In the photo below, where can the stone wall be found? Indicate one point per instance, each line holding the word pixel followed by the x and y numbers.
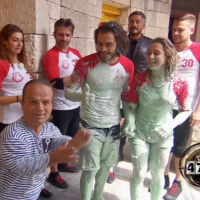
pixel 157 13
pixel 37 18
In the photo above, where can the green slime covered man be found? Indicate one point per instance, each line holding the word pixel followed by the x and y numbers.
pixel 105 79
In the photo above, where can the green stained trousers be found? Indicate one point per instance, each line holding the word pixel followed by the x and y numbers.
pixel 157 154
pixel 97 158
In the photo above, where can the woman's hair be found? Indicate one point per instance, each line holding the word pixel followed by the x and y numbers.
pixel 171 54
pixel 119 33
pixel 5 33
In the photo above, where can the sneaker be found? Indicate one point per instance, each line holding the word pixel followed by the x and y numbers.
pixel 111 177
pixel 45 193
pixel 173 192
pixel 67 168
pixel 56 180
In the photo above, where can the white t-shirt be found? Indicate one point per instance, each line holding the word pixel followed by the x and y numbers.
pixel 188 68
pixel 59 64
pixel 12 81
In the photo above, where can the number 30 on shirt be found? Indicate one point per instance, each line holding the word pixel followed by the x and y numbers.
pixel 188 63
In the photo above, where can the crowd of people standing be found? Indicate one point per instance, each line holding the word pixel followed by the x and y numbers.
pixel 152 83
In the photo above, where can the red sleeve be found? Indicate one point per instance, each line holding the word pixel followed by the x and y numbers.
pixel 50 64
pixel 129 68
pixel 181 91
pixel 137 82
pixel 195 48
pixel 81 70
pixel 4 69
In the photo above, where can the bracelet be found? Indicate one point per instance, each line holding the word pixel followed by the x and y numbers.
pixel 17 98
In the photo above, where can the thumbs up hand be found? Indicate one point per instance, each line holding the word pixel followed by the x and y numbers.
pixel 88 97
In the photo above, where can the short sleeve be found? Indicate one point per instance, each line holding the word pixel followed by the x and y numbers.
pixel 136 83
pixel 181 91
pixel 50 65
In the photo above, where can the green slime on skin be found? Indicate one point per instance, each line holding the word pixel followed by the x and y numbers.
pixel 102 111
pixel 145 120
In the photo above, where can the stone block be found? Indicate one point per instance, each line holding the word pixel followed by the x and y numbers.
pixel 158 6
pixel 36 47
pixel 67 3
pixel 93 2
pixel 99 8
pixel 79 20
pixel 138 4
pixel 164 32
pixel 55 1
pixel 54 11
pixel 94 11
pixel 118 3
pixel 155 19
pixel 77 5
pixel 152 32
pixel 50 42
pixel 90 21
pixel 90 33
pixel 51 26
pixel 42 16
pixel 90 11
pixel 96 22
pixel 132 9
pixel 123 18
pixel 90 46
pixel 19 13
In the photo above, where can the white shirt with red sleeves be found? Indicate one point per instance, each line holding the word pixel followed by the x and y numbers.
pixel 12 81
pixel 109 84
pixel 59 64
pixel 188 67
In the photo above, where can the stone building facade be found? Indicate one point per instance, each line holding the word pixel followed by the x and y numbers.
pixel 37 18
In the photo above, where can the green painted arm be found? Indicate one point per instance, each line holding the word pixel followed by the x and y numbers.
pixel 129 113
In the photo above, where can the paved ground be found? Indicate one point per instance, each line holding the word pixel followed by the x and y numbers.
pixel 119 190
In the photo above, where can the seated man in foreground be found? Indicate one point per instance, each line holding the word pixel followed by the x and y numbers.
pixel 31 144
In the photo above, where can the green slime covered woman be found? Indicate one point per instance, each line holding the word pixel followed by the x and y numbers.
pixel 149 121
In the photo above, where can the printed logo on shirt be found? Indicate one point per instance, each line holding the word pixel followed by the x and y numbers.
pixel 17 77
pixel 65 64
pixel 74 61
pixel 46 143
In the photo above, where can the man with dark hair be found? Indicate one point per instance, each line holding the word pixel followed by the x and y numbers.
pixel 58 65
pixel 188 68
pixel 105 78
pixel 29 145
pixel 138 42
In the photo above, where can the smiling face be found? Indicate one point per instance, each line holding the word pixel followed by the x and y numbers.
pixel 156 57
pixel 63 37
pixel 14 43
pixel 37 104
pixel 106 47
